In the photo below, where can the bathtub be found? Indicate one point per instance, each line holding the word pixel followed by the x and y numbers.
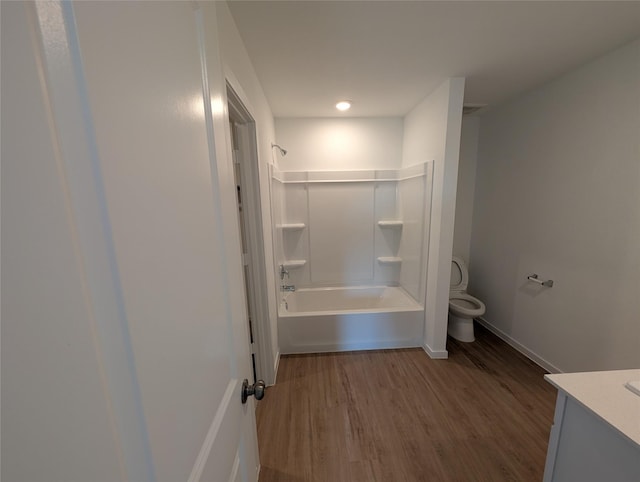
pixel 318 320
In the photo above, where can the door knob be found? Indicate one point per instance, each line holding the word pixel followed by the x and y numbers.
pixel 257 390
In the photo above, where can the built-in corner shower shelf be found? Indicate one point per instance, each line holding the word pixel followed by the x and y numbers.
pixel 292 226
pixel 390 224
pixel 294 263
pixel 389 260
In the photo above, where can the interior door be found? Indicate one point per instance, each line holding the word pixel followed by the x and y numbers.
pixel 129 98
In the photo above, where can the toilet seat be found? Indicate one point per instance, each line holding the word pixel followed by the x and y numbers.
pixel 464 305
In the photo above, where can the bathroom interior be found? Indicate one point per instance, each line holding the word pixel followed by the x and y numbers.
pixel 402 231
pixel 500 195
pixel 360 208
pixel 384 236
pixel 356 228
pixel 363 201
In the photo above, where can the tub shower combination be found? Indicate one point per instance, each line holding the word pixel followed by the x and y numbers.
pixel 351 248
pixel 337 319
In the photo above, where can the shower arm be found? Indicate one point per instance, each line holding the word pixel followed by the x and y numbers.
pixel 283 152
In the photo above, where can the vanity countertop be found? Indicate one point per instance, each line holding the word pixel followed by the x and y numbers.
pixel 605 394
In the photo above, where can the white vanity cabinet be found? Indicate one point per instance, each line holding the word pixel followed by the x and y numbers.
pixel 596 428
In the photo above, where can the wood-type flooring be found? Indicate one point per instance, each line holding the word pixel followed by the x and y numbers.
pixel 398 416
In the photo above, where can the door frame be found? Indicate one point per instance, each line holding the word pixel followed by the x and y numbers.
pixel 240 114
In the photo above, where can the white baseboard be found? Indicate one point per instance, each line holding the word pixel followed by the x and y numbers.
pixel 435 354
pixel 534 357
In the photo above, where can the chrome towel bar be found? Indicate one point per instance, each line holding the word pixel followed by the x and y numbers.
pixel 534 277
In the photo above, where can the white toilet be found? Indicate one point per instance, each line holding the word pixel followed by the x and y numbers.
pixel 463 307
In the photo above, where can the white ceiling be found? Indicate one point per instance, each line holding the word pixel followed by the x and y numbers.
pixel 388 55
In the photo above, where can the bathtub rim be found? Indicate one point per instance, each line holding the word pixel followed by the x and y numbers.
pixel 293 314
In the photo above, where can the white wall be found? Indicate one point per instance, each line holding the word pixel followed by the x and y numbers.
pixel 432 132
pixel 243 79
pixel 334 144
pixel 466 186
pixel 425 128
pixel 558 194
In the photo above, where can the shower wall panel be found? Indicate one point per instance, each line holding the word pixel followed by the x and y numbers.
pixel 296 242
pixel 341 226
pixel 354 227
pixel 415 208
pixel 386 240
pixel 277 207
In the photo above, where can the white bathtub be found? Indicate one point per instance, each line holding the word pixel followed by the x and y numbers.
pixel 338 319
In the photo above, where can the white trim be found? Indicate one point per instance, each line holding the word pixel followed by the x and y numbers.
pixel 534 357
pixel 248 133
pixel 435 354
pixel 235 84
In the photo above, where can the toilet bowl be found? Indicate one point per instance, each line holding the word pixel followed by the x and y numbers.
pixel 463 307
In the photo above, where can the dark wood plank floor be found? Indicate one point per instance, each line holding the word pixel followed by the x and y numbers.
pixel 397 415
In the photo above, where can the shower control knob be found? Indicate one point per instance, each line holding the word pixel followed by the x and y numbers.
pixel 257 390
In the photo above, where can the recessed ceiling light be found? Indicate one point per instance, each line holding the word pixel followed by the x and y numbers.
pixel 343 105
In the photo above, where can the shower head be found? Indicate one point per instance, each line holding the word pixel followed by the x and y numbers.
pixel 283 152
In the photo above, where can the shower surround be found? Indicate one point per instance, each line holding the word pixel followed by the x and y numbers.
pixel 356 239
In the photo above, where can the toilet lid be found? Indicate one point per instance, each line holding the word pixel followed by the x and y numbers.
pixel 459 275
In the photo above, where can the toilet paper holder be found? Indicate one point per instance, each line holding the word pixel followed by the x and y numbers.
pixel 534 277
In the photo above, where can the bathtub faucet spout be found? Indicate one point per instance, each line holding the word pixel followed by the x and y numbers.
pixel 288 288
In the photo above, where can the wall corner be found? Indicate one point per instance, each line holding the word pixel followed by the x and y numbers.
pixel 443 219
